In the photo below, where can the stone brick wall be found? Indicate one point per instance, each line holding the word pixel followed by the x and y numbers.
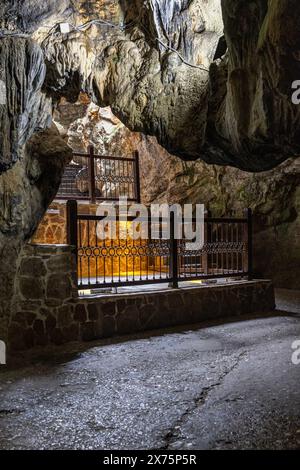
pixel 45 293
pixel 53 227
pixel 48 310
pixel 133 313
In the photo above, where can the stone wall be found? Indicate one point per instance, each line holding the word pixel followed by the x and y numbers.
pixel 132 313
pixel 53 227
pixel 45 292
pixel 274 196
pixel 49 311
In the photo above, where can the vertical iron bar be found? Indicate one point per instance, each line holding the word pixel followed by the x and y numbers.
pixel 249 243
pixel 237 252
pixel 227 244
pixel 137 177
pixel 91 168
pixel 217 249
pixel 231 253
pixel 88 256
pixel 119 251
pixel 72 231
pixel 205 253
pixel 80 257
pixel 222 254
pixel 104 259
pixel 173 254
pixel 96 256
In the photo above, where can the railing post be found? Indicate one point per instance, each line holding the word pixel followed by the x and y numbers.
pixel 72 228
pixel 248 240
pixel 137 177
pixel 205 254
pixel 72 240
pixel 173 253
pixel 91 170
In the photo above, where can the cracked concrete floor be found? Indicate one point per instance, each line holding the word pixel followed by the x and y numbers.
pixel 218 386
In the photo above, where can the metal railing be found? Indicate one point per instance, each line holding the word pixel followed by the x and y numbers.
pixel 227 253
pixel 95 177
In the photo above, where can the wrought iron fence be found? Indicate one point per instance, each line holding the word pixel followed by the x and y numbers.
pixel 101 178
pixel 227 253
pixel 227 250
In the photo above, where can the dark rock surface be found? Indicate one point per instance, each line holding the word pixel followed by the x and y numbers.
pixel 25 193
pixel 25 109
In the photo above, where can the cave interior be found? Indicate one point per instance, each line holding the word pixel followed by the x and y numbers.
pixel 201 91
pixel 154 342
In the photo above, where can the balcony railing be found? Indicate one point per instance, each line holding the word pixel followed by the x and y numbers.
pixel 227 253
pixel 94 178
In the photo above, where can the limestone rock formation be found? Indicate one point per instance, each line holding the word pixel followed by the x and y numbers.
pixel 23 108
pixel 159 65
pixel 160 77
pixel 25 193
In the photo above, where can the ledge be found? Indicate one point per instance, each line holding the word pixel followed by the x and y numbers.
pixel 88 319
pixel 140 311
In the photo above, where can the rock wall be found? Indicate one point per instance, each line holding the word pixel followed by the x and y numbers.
pixel 32 153
pixel 158 71
pixel 25 193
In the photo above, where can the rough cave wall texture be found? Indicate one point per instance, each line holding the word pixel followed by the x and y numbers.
pixel 159 75
pixel 235 110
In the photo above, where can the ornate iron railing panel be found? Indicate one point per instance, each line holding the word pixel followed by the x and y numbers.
pixel 226 253
pixel 112 263
pixel 94 177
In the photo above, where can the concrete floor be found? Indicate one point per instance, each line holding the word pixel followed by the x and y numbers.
pixel 218 386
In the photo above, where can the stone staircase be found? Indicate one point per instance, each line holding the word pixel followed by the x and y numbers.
pixel 68 185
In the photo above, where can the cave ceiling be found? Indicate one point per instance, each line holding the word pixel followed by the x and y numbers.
pixel 211 79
